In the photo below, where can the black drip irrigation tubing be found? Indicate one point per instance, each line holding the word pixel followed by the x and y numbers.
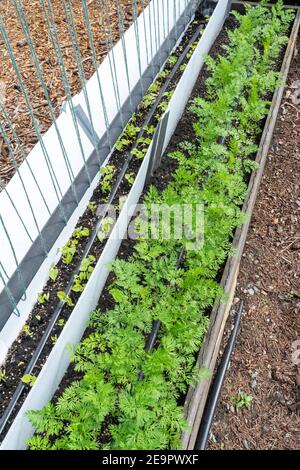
pixel 38 351
pixel 157 323
pixel 214 394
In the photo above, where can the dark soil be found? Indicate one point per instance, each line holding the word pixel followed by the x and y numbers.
pixel 265 363
pixel 24 347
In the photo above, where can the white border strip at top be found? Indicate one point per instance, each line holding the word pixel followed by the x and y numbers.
pixel 58 360
pixel 35 159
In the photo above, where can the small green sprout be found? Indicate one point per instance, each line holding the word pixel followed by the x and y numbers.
pixel 129 177
pixel 241 400
pixel 26 330
pixel 105 228
pixel 29 379
pixel 3 376
pixel 92 206
pixel 65 298
pixel 53 273
pixel 107 173
pixel 53 339
pixel 68 251
pixel 43 298
pixel 81 232
pixel 139 154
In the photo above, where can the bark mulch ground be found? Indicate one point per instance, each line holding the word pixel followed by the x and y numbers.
pixel 10 92
pixel 265 363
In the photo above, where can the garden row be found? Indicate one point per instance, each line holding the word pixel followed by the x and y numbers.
pixel 111 404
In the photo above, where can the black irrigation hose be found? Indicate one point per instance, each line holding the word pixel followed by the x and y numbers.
pixel 216 388
pixel 157 323
pixel 38 351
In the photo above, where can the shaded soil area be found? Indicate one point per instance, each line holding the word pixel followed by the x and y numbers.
pixel 266 361
pixel 102 20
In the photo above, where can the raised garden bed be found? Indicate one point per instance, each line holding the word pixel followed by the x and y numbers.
pixel 151 285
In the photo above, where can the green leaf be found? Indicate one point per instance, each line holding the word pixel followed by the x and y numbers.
pixel 118 295
pixel 29 379
pixel 53 273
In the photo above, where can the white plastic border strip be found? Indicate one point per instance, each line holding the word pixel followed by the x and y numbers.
pixel 37 163
pixel 58 360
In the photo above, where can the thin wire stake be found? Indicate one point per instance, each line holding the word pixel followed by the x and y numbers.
pixel 159 34
pixel 49 17
pixel 175 18
pixel 52 174
pixel 95 63
pixel 24 156
pixel 8 292
pixel 122 30
pixel 40 75
pixel 137 41
pixel 151 36
pixel 77 54
pixel 11 152
pixel 111 44
pixel 110 56
pixel 168 27
pixel 20 275
pixel 154 16
pixel 145 32
pixel 3 188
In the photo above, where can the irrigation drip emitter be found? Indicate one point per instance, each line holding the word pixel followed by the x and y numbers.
pixel 46 335
pixel 216 388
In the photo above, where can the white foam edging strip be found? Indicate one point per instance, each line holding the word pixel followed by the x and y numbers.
pixel 37 162
pixel 58 360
